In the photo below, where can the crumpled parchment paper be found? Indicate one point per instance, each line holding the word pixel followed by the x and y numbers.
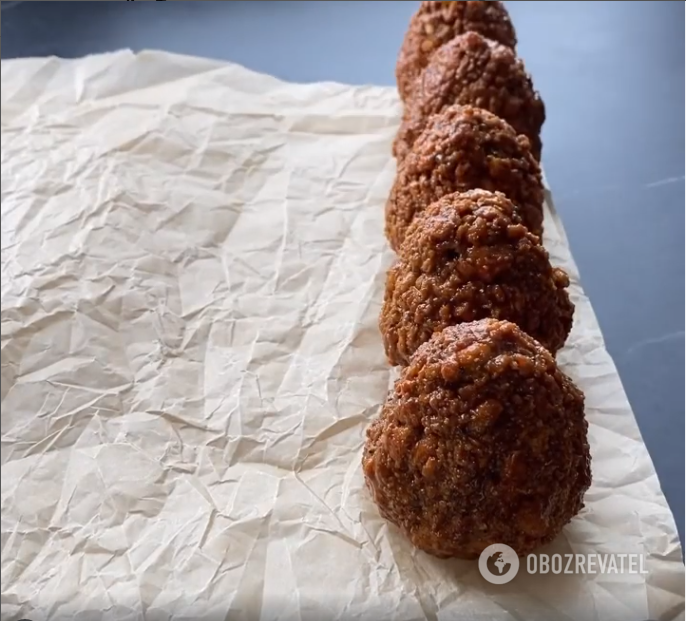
pixel 192 268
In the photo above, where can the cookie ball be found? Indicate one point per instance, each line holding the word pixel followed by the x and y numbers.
pixel 469 256
pixel 436 23
pixel 465 148
pixel 482 440
pixel 473 70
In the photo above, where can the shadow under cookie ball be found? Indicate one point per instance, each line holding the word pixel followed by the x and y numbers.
pixel 482 440
pixel 465 257
pixel 473 70
pixel 465 148
pixel 436 23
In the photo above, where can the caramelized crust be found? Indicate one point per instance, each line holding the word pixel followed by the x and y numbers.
pixel 436 23
pixel 466 257
pixel 473 70
pixel 464 148
pixel 482 440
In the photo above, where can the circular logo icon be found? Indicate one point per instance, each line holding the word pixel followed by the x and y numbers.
pixel 498 563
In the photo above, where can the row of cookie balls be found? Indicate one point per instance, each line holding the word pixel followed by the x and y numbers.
pixel 472 121
pixel 482 438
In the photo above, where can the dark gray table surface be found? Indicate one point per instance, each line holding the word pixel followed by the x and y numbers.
pixel 612 76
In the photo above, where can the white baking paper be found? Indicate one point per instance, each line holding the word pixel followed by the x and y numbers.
pixel 192 269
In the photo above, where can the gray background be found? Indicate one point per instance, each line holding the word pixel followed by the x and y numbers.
pixel 612 76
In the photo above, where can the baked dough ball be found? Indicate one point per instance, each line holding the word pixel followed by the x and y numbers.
pixel 464 148
pixel 466 257
pixel 482 440
pixel 435 23
pixel 473 70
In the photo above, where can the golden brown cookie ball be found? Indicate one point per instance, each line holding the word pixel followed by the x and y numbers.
pixel 482 440
pixel 464 148
pixel 466 257
pixel 473 70
pixel 435 23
